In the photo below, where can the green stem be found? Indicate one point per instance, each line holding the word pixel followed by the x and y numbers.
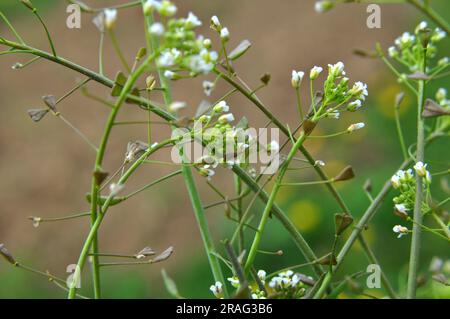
pixel 95 217
pixel 256 241
pixel 363 222
pixel 418 216
pixel 197 205
pixel 297 237
pixel 400 133
pixel 11 27
pixel 46 31
pixel 442 225
pixel 441 22
pixel 119 51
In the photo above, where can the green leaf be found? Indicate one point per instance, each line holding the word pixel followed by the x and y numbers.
pixel 171 286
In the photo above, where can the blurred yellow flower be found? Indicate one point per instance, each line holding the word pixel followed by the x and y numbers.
pixel 305 215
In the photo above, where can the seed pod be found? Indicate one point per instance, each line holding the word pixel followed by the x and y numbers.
pixel 50 101
pixel 141 53
pixel 419 76
pixel 308 126
pixel 368 186
pixel 433 109
pixel 342 222
pixel 240 50
pixel 37 114
pixel 399 99
pixel 265 79
pixel 346 174
pixel 28 4
pixel 147 251
pixel 119 82
pixel 6 254
pixel 164 255
pixel 365 54
pixel 100 177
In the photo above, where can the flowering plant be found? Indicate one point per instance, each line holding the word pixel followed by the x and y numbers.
pixel 175 51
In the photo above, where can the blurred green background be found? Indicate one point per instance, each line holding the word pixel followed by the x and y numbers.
pixel 45 170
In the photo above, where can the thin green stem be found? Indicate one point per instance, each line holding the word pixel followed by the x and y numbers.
pixel 95 217
pixel 442 225
pixel 49 37
pixel 11 27
pixel 118 50
pixel 257 239
pixel 433 15
pixel 400 133
pixel 418 217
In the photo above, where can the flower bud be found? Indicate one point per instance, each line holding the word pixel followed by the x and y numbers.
pixel 110 18
pixel 323 6
pixel 315 71
pixel 297 77
pixel 221 107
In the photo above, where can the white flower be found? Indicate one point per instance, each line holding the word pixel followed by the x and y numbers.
pixel 295 280
pixel 422 26
pixel 393 52
pixel 176 106
pixel 323 6
pixel 207 172
pixel 167 8
pixel 216 289
pixel 401 208
pixel 262 275
pixel 169 74
pixel 221 107
pixel 319 163
pixel 273 147
pixel 225 34
pixel 151 5
pixel 443 61
pixel 441 95
pixel 400 230
pixel 36 221
pixel 428 177
pixel 234 281
pixel 110 18
pixel 192 21
pixel 337 69
pixel 405 40
pixel 334 115
pixel 356 126
pixel 169 57
pixel 315 71
pixel 156 29
pixel 359 90
pixel 215 23
pixel 297 77
pixel 208 87
pixel 115 189
pixel 355 105
pixel 226 118
pixel 438 35
pixel 421 169
pixel 395 181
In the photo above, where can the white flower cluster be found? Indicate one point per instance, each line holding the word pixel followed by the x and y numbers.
pixel 285 280
pixel 405 182
pixel 181 49
pixel 408 47
pixel 225 144
pixel 337 95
